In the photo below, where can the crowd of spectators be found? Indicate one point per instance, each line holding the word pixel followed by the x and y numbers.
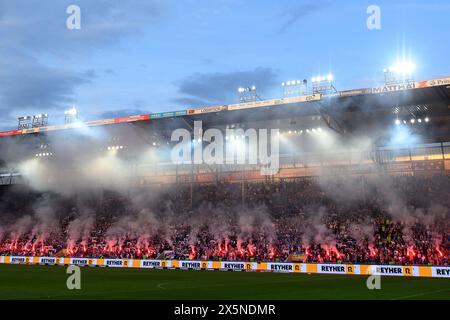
pixel 395 220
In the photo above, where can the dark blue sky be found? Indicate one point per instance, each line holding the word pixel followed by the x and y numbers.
pixel 134 56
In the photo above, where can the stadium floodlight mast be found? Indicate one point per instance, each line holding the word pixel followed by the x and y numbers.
pixel 24 122
pixel 40 120
pixel 248 94
pixel 111 148
pixel 294 88
pixel 400 73
pixel 323 84
pixel 70 115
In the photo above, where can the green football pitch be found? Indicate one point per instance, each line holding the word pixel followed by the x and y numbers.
pixel 49 282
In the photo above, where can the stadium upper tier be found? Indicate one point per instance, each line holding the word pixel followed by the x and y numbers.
pixel 429 92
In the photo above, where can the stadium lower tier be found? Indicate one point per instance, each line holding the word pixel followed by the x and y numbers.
pixel 348 269
pixel 382 221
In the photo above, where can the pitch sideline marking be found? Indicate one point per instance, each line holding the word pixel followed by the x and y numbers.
pixel 420 294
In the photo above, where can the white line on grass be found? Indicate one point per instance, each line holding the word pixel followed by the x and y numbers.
pixel 420 294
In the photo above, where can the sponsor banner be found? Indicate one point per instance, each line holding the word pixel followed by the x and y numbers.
pixel 163 115
pixel 281 267
pixel 207 109
pixel 207 265
pixel 311 268
pixel 407 271
pixel 351 93
pixel 331 268
pixel 274 102
pixel 114 263
pixel 31 130
pixel 247 105
pixel 404 86
pixel 440 272
pixel 239 266
pixel 388 270
pixel 394 88
pixel 150 264
pixel 132 118
pixel 262 266
pixel 10 133
pixel 411 271
pixel 433 83
pixel 91 262
pixel 168 114
pixel 100 122
pixel 62 261
pixel 75 125
pixel 180 113
pixel 79 261
pixel 47 260
pixel 17 260
pixel 189 264
pixel 425 271
pixel 351 269
pixel 303 267
pixel 232 265
pixel 127 263
pixel 254 104
pixel 51 128
pixel 155 115
pixel 170 264
pixel 312 97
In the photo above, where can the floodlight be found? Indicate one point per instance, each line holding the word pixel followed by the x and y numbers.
pixel 403 67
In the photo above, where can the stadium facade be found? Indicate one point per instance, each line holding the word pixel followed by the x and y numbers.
pixel 364 127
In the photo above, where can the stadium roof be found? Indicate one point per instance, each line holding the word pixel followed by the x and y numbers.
pixel 433 95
